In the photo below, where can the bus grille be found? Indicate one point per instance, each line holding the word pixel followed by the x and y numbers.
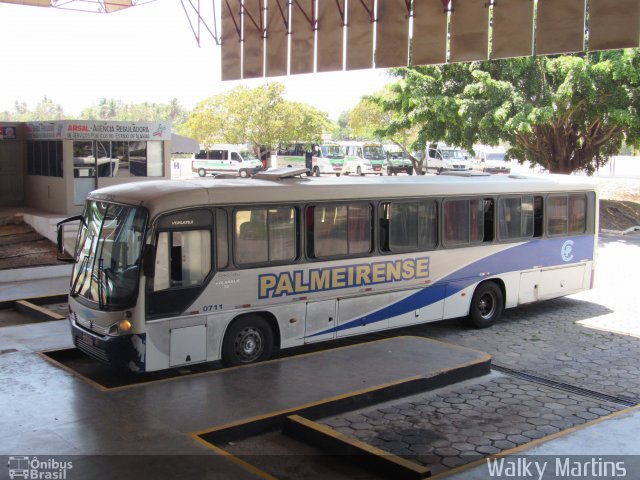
pixel 90 350
pixel 90 325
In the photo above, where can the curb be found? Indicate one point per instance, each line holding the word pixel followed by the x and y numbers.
pixel 367 456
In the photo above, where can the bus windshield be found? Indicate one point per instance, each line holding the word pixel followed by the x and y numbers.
pixel 373 152
pixel 453 154
pixel 332 151
pixel 108 254
pixel 248 155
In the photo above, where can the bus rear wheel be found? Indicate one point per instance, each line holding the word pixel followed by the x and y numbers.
pixel 487 304
pixel 243 173
pixel 248 339
pixel 316 171
pixel 202 172
pixel 359 172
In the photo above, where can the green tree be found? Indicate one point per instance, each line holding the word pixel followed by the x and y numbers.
pixel 565 113
pixel 117 110
pixel 45 109
pixel 379 117
pixel 260 117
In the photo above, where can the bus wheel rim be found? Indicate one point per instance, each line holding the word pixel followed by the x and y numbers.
pixel 487 305
pixel 249 344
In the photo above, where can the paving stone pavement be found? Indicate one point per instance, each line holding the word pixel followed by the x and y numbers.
pixel 464 423
pixel 590 340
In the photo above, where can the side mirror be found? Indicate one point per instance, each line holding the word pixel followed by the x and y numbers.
pixel 149 260
pixel 62 254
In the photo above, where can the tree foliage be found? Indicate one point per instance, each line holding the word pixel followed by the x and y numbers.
pixel 564 113
pixel 260 117
pixel 45 109
pixel 378 117
pixel 117 110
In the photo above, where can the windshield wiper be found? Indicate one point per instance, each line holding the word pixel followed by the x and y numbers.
pixel 100 288
pixel 81 270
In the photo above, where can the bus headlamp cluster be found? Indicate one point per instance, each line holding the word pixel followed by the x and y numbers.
pixel 123 326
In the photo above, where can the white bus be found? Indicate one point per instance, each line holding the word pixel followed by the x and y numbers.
pixel 172 273
pixel 363 158
pixel 318 158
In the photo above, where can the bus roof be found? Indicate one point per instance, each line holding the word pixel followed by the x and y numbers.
pixel 166 195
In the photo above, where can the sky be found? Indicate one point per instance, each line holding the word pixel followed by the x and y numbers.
pixel 145 53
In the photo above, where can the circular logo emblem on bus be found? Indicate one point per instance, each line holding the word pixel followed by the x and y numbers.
pixel 566 252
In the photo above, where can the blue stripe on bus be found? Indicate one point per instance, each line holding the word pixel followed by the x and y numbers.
pixel 525 256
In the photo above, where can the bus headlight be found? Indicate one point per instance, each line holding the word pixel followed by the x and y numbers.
pixel 124 325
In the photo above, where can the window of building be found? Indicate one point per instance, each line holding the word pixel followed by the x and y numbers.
pixel 44 158
pixel 339 230
pixel 265 235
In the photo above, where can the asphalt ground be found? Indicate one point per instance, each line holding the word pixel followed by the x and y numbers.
pixel 559 364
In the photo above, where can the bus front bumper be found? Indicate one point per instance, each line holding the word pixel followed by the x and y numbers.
pixel 124 352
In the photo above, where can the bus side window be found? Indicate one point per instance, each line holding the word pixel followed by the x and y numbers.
pixel 222 240
pixel 339 230
pixel 183 259
pixel 489 215
pixel 538 216
pixel 557 215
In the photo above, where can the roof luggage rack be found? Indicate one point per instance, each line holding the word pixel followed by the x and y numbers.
pixel 280 173
pixel 465 173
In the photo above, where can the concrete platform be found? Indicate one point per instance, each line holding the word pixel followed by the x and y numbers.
pixel 48 411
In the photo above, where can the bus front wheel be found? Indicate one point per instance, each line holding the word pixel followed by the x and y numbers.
pixel 316 171
pixel 243 173
pixel 248 339
pixel 202 172
pixel 487 304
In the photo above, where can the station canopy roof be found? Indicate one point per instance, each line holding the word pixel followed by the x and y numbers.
pixel 335 35
pixel 102 6
pixel 267 38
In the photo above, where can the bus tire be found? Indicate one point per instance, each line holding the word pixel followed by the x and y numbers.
pixel 243 173
pixel 487 304
pixel 389 171
pixel 202 172
pixel 410 171
pixel 316 171
pixel 248 339
pixel 337 174
pixel 359 172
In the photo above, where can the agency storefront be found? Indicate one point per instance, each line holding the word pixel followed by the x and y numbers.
pixel 65 160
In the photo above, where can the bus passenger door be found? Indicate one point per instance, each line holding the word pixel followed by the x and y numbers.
pixel 321 321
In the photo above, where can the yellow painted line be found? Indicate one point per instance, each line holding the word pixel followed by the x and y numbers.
pixel 416 468
pixel 238 461
pixel 41 310
pixel 535 442
pixel 43 354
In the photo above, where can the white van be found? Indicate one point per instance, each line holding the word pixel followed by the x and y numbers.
pixel 396 161
pixel 363 158
pixel 225 159
pixel 442 158
pixel 490 160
